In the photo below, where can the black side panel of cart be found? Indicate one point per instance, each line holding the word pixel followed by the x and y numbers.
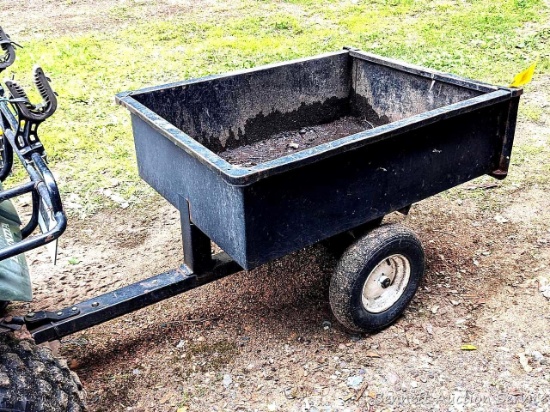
pixel 300 207
pixel 215 206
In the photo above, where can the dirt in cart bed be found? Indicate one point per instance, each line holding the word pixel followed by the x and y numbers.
pixel 293 141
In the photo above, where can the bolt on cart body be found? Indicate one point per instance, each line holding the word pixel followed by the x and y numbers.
pixel 430 131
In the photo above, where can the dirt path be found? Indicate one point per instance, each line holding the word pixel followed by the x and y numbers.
pixel 42 18
pixel 272 339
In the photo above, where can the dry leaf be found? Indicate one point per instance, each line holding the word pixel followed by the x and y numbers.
pixel 514 392
pixel 524 362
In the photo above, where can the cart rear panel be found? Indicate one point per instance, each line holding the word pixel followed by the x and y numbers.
pixel 433 131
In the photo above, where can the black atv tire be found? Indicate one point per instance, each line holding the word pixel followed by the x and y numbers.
pixel 33 380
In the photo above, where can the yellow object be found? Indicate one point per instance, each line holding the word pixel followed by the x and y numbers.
pixel 521 79
pixel 1 132
pixel 468 347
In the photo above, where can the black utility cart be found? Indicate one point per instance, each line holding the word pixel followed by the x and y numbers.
pixel 423 132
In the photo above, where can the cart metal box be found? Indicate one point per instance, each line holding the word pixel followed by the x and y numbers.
pixel 433 131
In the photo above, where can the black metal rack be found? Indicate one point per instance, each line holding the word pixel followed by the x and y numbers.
pixel 19 121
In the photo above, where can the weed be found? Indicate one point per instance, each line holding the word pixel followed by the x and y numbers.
pixel 531 112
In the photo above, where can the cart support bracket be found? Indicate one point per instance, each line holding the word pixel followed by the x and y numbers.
pixel 43 316
pixel 509 128
pixel 197 248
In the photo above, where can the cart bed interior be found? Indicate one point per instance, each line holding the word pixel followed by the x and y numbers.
pixel 262 107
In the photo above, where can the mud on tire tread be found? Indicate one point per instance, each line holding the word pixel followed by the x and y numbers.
pixel 33 380
pixel 356 264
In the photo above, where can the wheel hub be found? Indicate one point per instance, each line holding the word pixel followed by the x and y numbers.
pixel 386 283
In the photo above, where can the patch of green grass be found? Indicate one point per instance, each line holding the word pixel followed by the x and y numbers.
pixel 530 162
pixel 216 354
pixel 531 112
pixel 73 261
pixel 90 140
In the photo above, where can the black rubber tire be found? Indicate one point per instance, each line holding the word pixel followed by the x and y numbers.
pixel 353 269
pixel 33 380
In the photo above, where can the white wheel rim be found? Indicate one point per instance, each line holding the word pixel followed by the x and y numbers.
pixel 386 283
